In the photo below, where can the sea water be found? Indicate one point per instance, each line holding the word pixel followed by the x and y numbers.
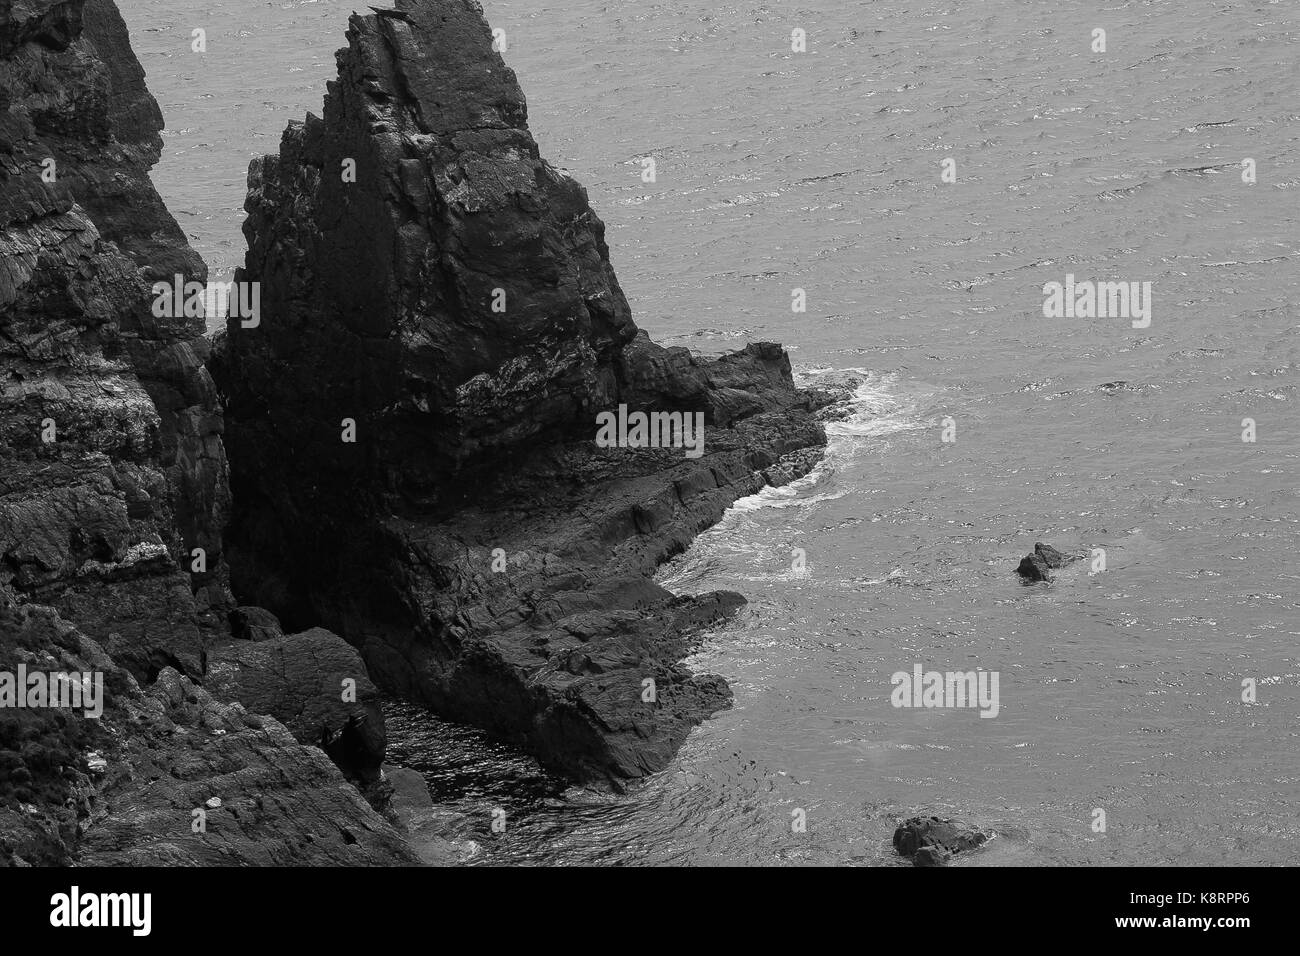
pixel 923 285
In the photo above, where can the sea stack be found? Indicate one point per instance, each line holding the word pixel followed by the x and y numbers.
pixel 411 422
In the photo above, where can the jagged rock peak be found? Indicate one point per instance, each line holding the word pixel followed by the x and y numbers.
pixel 443 278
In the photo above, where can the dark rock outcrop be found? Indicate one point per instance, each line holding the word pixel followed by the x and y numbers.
pixel 931 856
pixel 933 841
pixel 156 756
pixel 452 309
pixel 111 464
pixel 114 496
pixel 249 623
pixel 1044 559
pixel 1033 568
pixel 315 684
pixel 1049 555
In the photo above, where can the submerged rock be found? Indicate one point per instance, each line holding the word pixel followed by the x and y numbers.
pixel 411 424
pixel 933 841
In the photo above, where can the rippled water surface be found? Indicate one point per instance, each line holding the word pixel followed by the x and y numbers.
pixel 821 171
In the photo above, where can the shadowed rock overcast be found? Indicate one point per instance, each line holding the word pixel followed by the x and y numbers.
pixel 474 433
pixel 113 494
pixel 475 422
pixel 821 170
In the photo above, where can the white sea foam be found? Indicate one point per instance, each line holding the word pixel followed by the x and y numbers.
pixel 870 410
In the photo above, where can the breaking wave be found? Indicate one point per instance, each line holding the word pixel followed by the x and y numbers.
pixel 870 408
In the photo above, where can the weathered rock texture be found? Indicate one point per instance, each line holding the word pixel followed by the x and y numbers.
pixel 933 841
pixel 111 463
pixel 435 834
pixel 112 473
pixel 316 685
pixel 1038 564
pixel 248 623
pixel 456 303
pixel 165 752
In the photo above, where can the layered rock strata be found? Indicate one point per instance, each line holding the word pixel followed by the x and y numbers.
pixel 112 471
pixel 113 498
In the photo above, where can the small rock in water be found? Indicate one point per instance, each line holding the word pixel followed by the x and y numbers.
pixel 933 841
pixel 931 856
pixel 1035 566
pixel 1052 557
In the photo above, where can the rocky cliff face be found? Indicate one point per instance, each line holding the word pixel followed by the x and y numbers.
pixel 112 478
pixel 167 775
pixel 411 424
pixel 113 469
pixel 410 428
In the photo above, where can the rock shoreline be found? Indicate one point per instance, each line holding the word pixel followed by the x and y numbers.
pixel 486 557
pixel 167 501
